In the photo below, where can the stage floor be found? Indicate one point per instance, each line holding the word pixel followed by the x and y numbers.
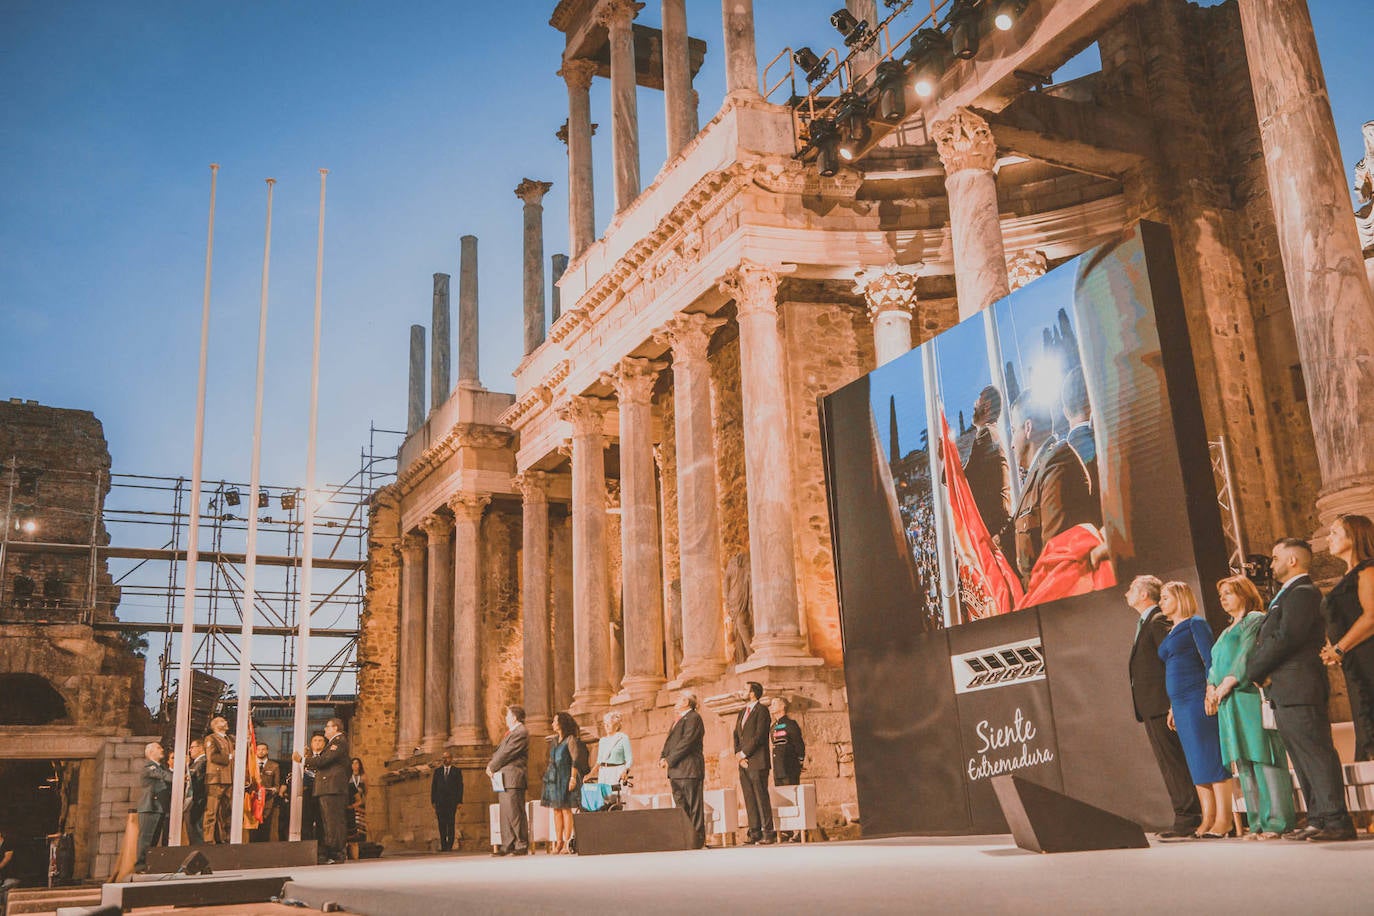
pixel 958 875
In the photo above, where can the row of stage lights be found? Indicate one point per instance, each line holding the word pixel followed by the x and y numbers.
pixel 232 497
pixel 932 51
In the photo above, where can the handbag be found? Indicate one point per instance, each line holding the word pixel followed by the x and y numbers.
pixel 1267 720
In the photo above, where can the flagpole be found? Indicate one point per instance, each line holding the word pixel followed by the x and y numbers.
pixel 251 557
pixel 181 742
pixel 307 599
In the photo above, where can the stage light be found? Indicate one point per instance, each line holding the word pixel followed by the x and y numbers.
pixel 288 500
pixel 825 138
pixel 891 105
pixel 853 126
pixel 814 67
pixel 262 499
pixel 231 496
pixel 30 526
pixel 963 28
pixel 852 30
pixel 1005 13
pixel 929 54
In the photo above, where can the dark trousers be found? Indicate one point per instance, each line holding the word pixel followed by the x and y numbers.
pixel 753 785
pixel 219 810
pixel 267 831
pixel 195 823
pixel 515 831
pixel 1359 685
pixel 687 796
pixel 1173 766
pixel 1306 731
pixel 152 830
pixel 332 821
pixel 445 812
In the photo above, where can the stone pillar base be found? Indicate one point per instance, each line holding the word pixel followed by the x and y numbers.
pixel 641 690
pixel 1356 499
pixel 699 671
pixel 590 702
pixel 433 744
pixel 779 652
pixel 466 735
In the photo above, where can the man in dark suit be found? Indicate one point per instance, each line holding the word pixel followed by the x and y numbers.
pixel 685 762
pixel 1286 661
pixel 331 768
pixel 986 467
pixel 1152 705
pixel 154 804
pixel 269 778
pixel 752 750
pixel 1080 437
pixel 195 795
pixel 510 762
pixel 446 794
pixel 219 776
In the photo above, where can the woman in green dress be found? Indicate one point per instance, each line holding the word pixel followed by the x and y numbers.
pixel 1257 753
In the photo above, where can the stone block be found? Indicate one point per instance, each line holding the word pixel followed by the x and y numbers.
pixel 128 748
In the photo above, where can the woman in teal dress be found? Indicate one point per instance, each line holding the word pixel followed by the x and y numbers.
pixel 1257 753
pixel 562 780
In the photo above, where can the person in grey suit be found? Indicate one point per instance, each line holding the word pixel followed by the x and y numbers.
pixel 154 804
pixel 511 760
pixel 1286 661
pixel 685 762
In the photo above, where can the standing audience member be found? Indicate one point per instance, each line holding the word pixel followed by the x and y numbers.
pixel 752 751
pixel 195 795
pixel 273 790
pixel 1287 663
pixel 445 795
pixel 6 861
pixel 219 775
pixel 1187 654
pixel 154 804
pixel 1349 612
pixel 1151 703
pixel 683 758
pixel 561 781
pixel 510 763
pixel 357 806
pixel 1256 752
pixel 331 788
pixel 789 751
pixel 311 826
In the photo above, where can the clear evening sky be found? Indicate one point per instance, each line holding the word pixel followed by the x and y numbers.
pixel 426 113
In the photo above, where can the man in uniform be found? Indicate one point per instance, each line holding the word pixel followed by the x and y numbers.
pixel 331 767
pixel 219 776
pixel 154 804
pixel 269 778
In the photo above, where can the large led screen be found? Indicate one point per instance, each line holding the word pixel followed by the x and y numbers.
pixel 992 494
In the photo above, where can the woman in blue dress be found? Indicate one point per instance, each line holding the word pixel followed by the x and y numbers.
pixel 562 780
pixel 1187 654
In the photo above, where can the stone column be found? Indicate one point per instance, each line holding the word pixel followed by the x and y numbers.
pixel 678 99
pixel 578 73
pixel 741 60
pixel 703 644
pixel 865 60
pixel 410 699
pixel 562 565
pixel 591 613
pixel 1026 267
pixel 968 154
pixel 468 375
pixel 560 266
pixel 465 688
pixel 891 295
pixel 1333 306
pixel 641 565
pixel 415 402
pixel 767 469
pixel 438 630
pixel 617 16
pixel 439 332
pixel 534 600
pixel 532 193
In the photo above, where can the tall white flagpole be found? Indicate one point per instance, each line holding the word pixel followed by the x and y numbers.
pixel 307 599
pixel 188 608
pixel 245 695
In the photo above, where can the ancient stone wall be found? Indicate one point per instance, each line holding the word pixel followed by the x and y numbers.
pixel 502 655
pixel 373 729
pixel 116 778
pixel 727 417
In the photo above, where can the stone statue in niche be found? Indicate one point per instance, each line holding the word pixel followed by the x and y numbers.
pixel 675 626
pixel 739 615
pixel 1364 189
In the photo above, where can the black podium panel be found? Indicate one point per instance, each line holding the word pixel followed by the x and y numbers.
pixel 1043 820
pixel 235 856
pixel 651 830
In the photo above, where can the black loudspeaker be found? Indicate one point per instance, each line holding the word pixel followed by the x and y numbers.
pixel 195 864
pixel 651 830
pixel 1043 820
pixel 232 856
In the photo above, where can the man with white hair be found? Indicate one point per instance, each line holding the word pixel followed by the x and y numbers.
pixel 154 804
pixel 685 762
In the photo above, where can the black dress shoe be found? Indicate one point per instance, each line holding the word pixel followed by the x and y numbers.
pixel 1331 835
pixel 1302 833
pixel 521 852
pixel 752 841
pixel 769 840
pixel 1174 834
pixel 499 852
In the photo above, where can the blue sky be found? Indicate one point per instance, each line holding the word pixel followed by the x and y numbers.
pixel 427 114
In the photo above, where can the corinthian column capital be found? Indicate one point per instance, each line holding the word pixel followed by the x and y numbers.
pixel 412 547
pixel 1025 266
pixel 437 526
pixel 964 141
pixel 532 485
pixel 887 289
pixel 532 192
pixel 468 507
pixel 633 379
pixel 618 12
pixel 585 415
pixel 754 287
pixel 577 72
pixel 689 334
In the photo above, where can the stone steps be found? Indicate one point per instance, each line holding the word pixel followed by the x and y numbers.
pixel 45 901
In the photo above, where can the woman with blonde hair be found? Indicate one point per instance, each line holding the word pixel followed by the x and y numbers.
pixel 1187 653
pixel 1256 752
pixel 1349 612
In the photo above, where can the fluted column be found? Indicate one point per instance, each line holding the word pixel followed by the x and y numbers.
pixel 563 642
pixel 767 469
pixel 591 613
pixel 560 264
pixel 1333 305
pixel 679 101
pixel 578 73
pixel 741 59
pixel 865 59
pixel 968 153
pixel 410 700
pixel 891 294
pixel 532 193
pixel 415 400
pixel 616 16
pixel 534 599
pixel 465 688
pixel 438 630
pixel 641 565
pixel 703 645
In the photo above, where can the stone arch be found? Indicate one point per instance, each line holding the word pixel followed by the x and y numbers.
pixel 30 699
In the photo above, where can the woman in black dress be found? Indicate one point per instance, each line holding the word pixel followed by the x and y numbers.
pixel 1349 612
pixel 562 780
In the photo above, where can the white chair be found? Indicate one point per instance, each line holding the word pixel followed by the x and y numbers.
pixel 794 808
pixel 721 810
pixel 637 802
pixel 541 824
pixel 494 821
